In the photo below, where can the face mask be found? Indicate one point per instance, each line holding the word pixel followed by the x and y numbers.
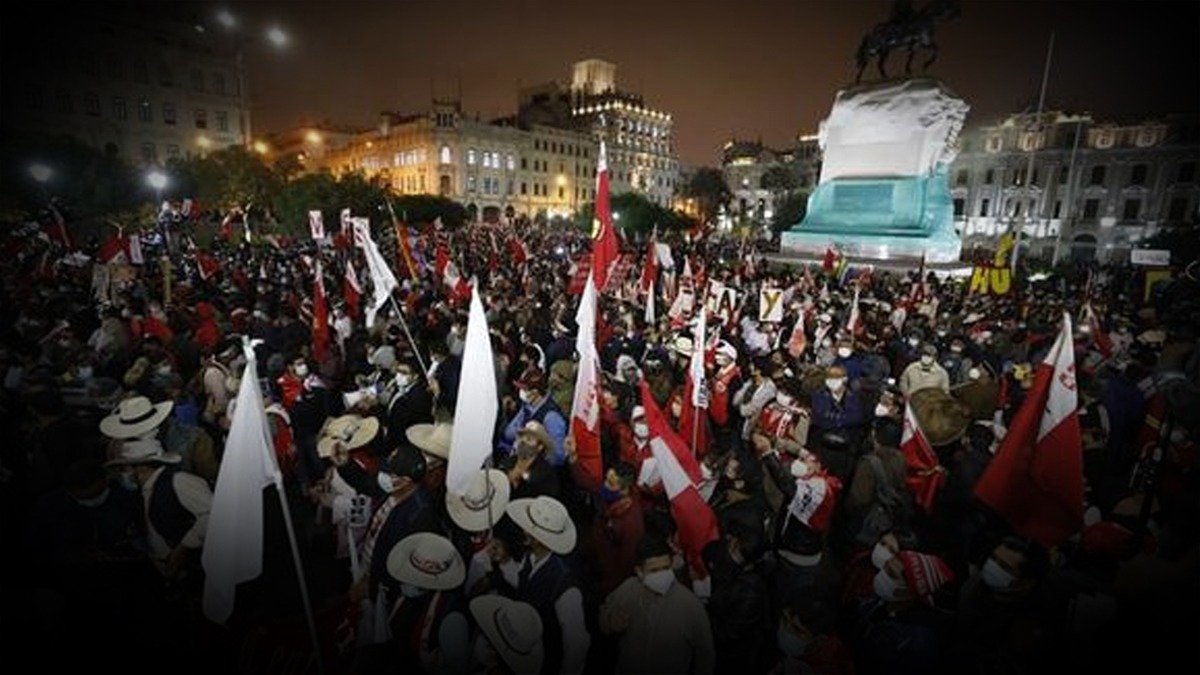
pixel 85 372
pixel 660 581
pixel 127 481
pixel 973 373
pixel 913 342
pixel 93 502
pixel 403 380
pixel 641 430
pixel 783 400
pixel 386 483
pixel 927 360
pixel 835 383
pixel 844 352
pixel 956 350
pixel 163 370
pixel 526 396
pixel 410 591
pixel 302 370
pixel 882 410
pixel 789 643
pixel 609 495
pixel 885 586
pixel 996 577
pixel 880 555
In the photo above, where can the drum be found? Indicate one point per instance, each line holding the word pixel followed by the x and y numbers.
pixel 942 417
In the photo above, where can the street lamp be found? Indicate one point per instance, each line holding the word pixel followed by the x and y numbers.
pixel 158 181
pixel 275 36
pixel 41 173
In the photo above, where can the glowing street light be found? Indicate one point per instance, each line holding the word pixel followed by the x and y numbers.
pixel 276 36
pixel 261 147
pixel 41 173
pixel 227 19
pixel 313 137
pixel 157 180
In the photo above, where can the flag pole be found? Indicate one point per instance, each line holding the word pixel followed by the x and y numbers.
pixel 408 334
pixel 308 614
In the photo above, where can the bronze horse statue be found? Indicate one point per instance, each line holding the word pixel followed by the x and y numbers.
pixel 906 28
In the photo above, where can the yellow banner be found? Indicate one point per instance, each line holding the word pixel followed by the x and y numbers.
pixel 1153 277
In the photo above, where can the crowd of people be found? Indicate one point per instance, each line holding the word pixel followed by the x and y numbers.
pixel 832 553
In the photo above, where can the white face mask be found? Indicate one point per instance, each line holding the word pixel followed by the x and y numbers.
pixel 641 430
pixel 885 586
pixel 526 396
pixel 128 481
pixel 385 483
pixel 783 400
pixel 660 581
pixel 835 383
pixel 974 373
pixel 913 342
pixel 927 360
pixel 403 380
pixel 880 555
pixel 85 372
pixel 844 352
pixel 882 410
pixel 996 577
pixel 302 370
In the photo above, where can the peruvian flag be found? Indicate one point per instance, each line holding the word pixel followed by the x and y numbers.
pixel 1099 337
pixel 852 322
pixel 697 526
pixel 605 248
pixel 924 479
pixel 692 421
pixel 320 316
pixel 799 339
pixel 585 408
pixel 830 260
pixel 351 290
pixel 1035 481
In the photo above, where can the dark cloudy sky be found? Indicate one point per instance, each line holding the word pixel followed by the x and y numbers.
pixel 724 68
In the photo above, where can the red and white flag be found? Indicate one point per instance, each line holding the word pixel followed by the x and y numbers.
pixel 316 224
pixel 924 480
pixel 351 290
pixel 585 408
pixel 680 472
pixel 605 247
pixel 1099 337
pixel 798 341
pixel 1035 481
pixel 852 322
pixel 476 407
pixel 320 316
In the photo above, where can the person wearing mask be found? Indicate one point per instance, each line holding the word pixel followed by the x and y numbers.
pixel 903 628
pixel 619 521
pixel 510 636
pixel 528 469
pixel 754 395
pixel 663 627
pixel 725 383
pixel 847 357
pixel 548 580
pixel 807 640
pixel 311 405
pixel 176 506
pixel 925 372
pixel 409 402
pixel 739 604
pixel 536 406
pixel 838 420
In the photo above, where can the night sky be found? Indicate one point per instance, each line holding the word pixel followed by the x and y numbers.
pixel 724 68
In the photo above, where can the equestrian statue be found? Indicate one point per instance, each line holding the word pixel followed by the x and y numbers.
pixel 906 27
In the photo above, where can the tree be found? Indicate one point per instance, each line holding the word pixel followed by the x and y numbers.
pixel 779 179
pixel 789 212
pixel 634 216
pixel 708 188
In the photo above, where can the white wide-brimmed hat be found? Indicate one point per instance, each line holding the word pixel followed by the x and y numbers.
pixel 432 439
pixel 682 346
pixel 426 560
pixel 514 629
pixel 352 431
pixel 144 451
pixel 545 519
pixel 135 416
pixel 484 502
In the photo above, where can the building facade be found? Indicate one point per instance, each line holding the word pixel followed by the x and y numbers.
pixel 146 89
pixel 1095 189
pixel 494 168
pixel 744 164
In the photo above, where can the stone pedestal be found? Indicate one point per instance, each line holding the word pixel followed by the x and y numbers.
pixel 884 192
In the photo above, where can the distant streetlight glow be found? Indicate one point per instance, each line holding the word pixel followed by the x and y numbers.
pixel 157 180
pixel 226 19
pixel 40 172
pixel 562 180
pixel 277 37
pixel 203 141
pixel 312 137
pixel 261 147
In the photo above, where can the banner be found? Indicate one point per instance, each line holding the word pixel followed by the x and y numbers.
pixel 316 224
pixel 362 230
pixel 721 300
pixel 770 305
pixel 990 280
pixel 1153 257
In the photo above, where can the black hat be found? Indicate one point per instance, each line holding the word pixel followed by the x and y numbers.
pixel 406 460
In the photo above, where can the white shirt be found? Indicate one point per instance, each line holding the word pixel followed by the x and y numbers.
pixel 569 609
pixel 195 496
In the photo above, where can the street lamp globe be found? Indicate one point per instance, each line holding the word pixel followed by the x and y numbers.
pixel 226 19
pixel 157 180
pixel 40 172
pixel 277 37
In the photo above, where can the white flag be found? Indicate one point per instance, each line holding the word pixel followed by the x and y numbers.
pixel 475 409
pixel 383 282
pixel 586 403
pixel 233 545
pixel 696 368
pixel 649 317
pixel 316 224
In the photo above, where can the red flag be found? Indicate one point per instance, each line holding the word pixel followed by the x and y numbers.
pixel 605 248
pixel 405 247
pixel 924 480
pixel 1035 481
pixel 516 249
pixel 206 265
pixel 320 315
pixel 829 261
pixel 57 229
pixel 1099 337
pixel 579 276
pixel 351 290
pixel 649 267
pixel 697 526
pixel 799 339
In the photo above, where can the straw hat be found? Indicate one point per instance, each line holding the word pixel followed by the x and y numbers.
pixel 144 451
pixel 135 417
pixel 682 346
pixel 538 432
pixel 432 439
pixel 427 560
pixel 483 503
pixel 351 431
pixel 514 629
pixel 545 519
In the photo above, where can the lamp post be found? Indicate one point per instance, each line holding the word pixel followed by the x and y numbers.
pixel 157 180
pixel 41 175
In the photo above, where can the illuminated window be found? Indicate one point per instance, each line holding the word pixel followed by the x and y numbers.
pixel 511 163
pixel 471 156
pixel 444 155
